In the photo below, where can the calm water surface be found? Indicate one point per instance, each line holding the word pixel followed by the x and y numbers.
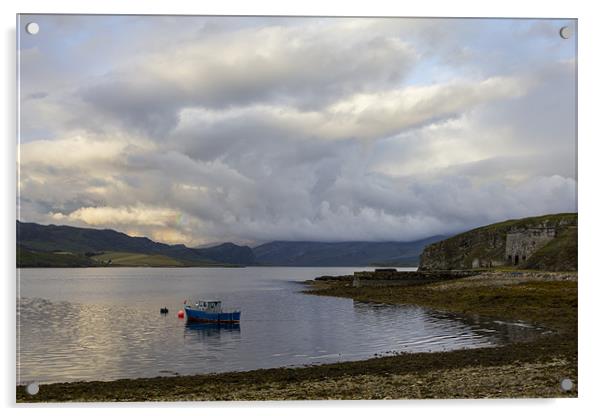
pixel 104 323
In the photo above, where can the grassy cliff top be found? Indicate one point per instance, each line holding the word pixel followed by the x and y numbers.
pixel 550 220
pixel 486 245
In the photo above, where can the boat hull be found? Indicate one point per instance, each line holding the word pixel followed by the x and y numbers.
pixel 195 315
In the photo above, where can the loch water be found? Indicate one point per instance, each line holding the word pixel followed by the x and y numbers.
pixel 105 323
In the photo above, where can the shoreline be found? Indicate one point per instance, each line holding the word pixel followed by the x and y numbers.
pixel 225 266
pixel 523 369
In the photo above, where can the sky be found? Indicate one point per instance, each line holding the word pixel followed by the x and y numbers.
pixel 199 130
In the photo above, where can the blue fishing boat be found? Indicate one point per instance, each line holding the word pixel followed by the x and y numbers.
pixel 210 311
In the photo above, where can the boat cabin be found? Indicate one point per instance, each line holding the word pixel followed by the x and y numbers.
pixel 209 305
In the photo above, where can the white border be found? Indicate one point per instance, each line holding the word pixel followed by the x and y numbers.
pixel 590 210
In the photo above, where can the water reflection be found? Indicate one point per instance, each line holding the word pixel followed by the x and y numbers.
pixel 104 339
pixel 443 329
pixel 210 330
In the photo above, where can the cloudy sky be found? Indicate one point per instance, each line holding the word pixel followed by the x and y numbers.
pixel 206 129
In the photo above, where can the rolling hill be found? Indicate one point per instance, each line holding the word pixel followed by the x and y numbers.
pixel 115 258
pixel 29 258
pixel 38 241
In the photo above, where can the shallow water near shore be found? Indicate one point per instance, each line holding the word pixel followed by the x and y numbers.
pixel 104 324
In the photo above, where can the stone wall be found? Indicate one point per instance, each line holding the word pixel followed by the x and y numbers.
pixel 392 277
pixel 520 245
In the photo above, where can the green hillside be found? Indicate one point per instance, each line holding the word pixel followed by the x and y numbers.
pixel 40 241
pixel 146 260
pixel 29 258
pixel 559 254
pixel 485 246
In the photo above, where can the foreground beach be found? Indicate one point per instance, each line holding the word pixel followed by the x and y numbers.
pixel 529 369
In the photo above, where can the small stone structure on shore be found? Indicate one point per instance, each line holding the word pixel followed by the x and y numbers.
pixel 392 277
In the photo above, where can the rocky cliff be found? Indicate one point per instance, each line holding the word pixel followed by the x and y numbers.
pixel 548 242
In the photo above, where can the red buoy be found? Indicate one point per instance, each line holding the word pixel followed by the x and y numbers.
pixel 181 314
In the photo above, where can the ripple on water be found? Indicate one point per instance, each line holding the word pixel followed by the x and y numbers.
pixel 108 338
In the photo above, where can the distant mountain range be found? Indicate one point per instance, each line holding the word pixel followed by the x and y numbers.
pixel 353 253
pixel 61 240
pixel 66 246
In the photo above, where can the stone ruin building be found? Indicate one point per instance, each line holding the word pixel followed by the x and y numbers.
pixel 520 245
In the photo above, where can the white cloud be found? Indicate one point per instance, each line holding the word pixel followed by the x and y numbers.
pixel 138 215
pixel 326 129
pixel 70 151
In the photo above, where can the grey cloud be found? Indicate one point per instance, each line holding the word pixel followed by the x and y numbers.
pixel 335 198
pixel 285 65
pixel 348 129
pixel 544 120
pixel 152 109
pixel 36 95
